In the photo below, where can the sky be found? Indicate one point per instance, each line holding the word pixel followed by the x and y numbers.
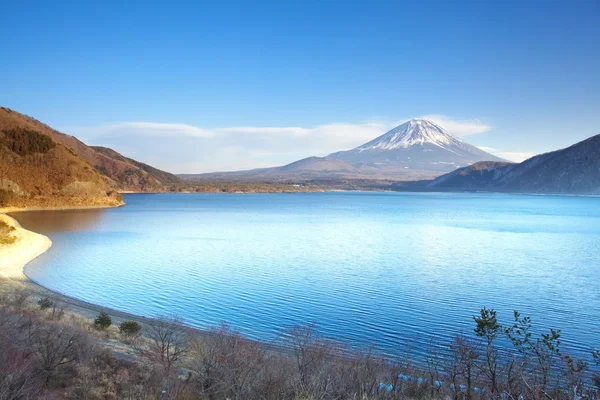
pixel 204 86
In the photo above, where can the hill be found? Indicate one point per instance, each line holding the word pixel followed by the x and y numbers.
pixel 302 170
pixel 44 167
pixel 133 175
pixel 574 170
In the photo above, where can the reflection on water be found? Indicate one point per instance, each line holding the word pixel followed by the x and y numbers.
pixel 47 222
pixel 389 269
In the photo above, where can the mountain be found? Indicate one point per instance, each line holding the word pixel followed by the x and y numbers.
pixel 417 145
pixel 574 170
pixel 305 169
pixel 417 149
pixel 133 175
pixel 41 166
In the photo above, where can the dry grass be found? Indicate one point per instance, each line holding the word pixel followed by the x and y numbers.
pixel 6 233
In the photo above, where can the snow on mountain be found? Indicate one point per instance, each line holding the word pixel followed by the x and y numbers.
pixel 416 150
pixel 410 133
pixel 418 145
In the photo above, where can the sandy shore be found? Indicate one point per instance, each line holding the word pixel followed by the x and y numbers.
pixel 31 245
pixel 28 246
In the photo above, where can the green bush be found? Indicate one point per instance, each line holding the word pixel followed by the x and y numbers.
pixel 45 303
pixel 103 320
pixel 129 328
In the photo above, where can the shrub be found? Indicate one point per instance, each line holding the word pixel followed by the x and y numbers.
pixel 6 231
pixel 26 141
pixel 45 303
pixel 103 320
pixel 129 328
pixel 6 197
pixel 116 195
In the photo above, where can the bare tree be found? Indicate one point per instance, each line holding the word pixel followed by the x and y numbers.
pixel 56 345
pixel 169 340
pixel 310 353
pixel 17 374
pixel 466 355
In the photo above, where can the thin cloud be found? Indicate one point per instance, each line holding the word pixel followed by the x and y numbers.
pixel 459 127
pixel 160 129
pixel 185 148
pixel 515 156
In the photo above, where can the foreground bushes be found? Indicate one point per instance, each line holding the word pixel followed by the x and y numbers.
pixel 129 328
pixel 51 355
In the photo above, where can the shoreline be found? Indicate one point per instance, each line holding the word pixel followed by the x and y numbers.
pixel 30 245
pixel 9 210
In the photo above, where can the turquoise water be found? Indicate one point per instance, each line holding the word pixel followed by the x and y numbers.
pixel 391 269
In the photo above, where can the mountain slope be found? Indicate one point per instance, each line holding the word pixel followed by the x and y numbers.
pixel 418 145
pixel 118 172
pixel 135 175
pixel 35 169
pixel 417 149
pixel 307 168
pixel 574 170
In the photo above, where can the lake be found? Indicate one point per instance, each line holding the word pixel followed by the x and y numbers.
pixel 396 270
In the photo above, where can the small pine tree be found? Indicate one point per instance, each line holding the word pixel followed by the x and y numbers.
pixel 129 328
pixel 45 303
pixel 103 320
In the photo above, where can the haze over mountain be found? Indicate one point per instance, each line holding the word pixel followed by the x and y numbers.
pixel 417 149
pixel 41 165
pixel 574 170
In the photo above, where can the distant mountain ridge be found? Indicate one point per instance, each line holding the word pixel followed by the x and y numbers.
pixel 417 149
pixel 305 169
pixel 573 170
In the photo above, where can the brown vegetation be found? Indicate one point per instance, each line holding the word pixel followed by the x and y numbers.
pixel 6 233
pixel 38 163
pixel 26 141
pixel 51 354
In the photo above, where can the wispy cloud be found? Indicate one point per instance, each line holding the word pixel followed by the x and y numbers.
pixel 515 156
pixel 185 148
pixel 459 127
pixel 158 129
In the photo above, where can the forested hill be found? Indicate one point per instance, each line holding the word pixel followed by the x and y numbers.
pixel 42 166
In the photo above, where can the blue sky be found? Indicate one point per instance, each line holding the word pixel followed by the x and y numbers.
pixel 204 86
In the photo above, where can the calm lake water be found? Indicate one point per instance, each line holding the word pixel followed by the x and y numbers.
pixel 391 269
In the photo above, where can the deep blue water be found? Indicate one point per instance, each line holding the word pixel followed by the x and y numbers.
pixel 390 269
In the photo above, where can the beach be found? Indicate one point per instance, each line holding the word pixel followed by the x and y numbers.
pixel 28 246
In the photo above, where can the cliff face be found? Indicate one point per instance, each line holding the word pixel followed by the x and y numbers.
pixel 41 166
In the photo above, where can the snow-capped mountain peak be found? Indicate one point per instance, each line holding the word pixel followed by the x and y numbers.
pixel 416 147
pixel 411 133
